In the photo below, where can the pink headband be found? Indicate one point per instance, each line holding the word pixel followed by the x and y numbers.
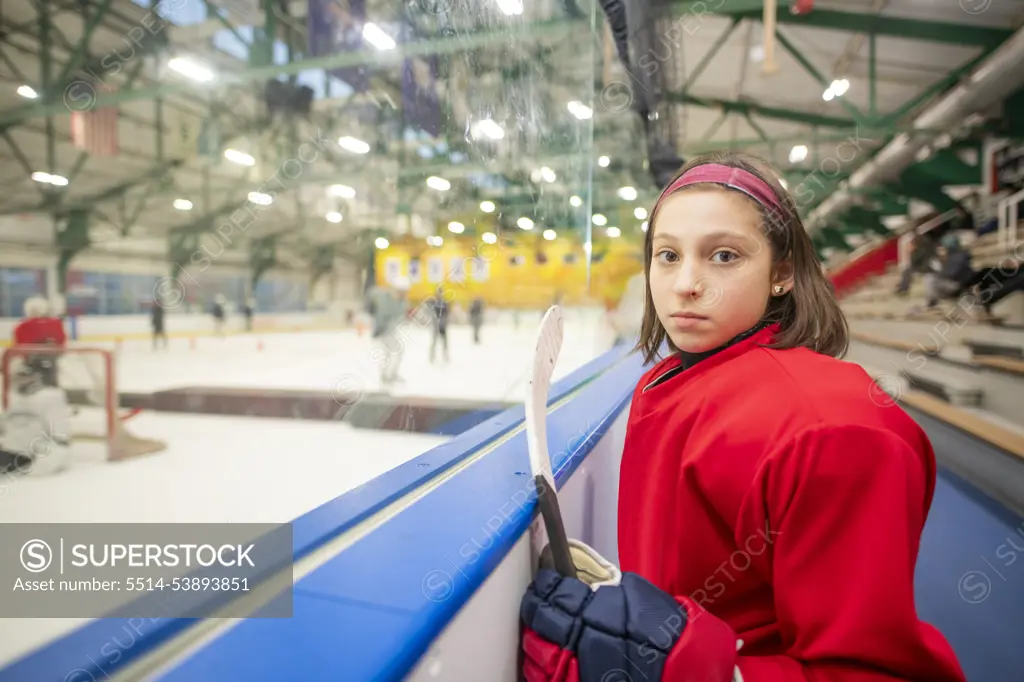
pixel 727 176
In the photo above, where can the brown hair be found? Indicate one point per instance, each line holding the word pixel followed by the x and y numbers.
pixel 809 315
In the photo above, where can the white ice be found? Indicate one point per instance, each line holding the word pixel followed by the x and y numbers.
pixel 235 469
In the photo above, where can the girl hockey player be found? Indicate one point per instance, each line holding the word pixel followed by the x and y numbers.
pixel 770 504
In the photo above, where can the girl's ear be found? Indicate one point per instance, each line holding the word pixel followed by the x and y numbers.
pixel 782 276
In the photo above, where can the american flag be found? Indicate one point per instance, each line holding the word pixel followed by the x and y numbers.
pixel 95 131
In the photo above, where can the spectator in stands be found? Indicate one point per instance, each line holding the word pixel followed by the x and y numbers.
pixel 954 269
pixel 922 253
pixel 771 499
pixel 991 285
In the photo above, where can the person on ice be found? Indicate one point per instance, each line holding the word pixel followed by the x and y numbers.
pixel 388 306
pixel 771 497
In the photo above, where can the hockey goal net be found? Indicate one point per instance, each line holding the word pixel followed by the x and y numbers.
pixel 88 377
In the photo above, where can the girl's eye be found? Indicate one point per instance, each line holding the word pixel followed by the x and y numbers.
pixel 666 257
pixel 723 257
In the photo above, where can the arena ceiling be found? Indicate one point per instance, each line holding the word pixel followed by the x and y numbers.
pixel 521 104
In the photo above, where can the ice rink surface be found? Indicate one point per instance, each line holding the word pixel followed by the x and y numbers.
pixel 495 369
pixel 238 469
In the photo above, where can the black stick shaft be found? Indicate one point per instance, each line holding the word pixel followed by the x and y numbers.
pixel 558 541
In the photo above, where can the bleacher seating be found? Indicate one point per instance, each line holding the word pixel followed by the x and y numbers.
pixel 955 355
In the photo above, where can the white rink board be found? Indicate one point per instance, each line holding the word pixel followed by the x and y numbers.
pixel 215 470
pixel 482 641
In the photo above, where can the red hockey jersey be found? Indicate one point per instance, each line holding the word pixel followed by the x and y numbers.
pixel 37 330
pixel 783 492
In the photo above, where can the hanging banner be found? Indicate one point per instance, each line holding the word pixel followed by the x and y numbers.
pixel 458 272
pixel 336 27
pixel 392 270
pixel 420 101
pixel 479 269
pixel 415 271
pixel 435 270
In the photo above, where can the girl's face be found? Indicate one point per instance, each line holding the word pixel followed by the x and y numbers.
pixel 711 267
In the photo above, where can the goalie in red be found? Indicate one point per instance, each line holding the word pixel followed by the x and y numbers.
pixel 34 431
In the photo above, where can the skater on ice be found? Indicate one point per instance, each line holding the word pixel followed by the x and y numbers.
pixel 439 334
pixel 770 505
pixel 219 313
pixel 387 304
pixel 476 317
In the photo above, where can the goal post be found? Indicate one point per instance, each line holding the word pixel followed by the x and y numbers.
pixel 88 377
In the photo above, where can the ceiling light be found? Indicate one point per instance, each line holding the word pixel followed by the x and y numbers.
pixel 343 191
pixel 798 153
pixel 376 36
pixel 489 237
pixel 440 184
pixel 599 220
pixel 603 161
pixel 435 240
pixel 333 217
pixel 549 235
pixel 58 180
pixel 643 226
pixel 525 223
pixel 456 227
pixel 260 199
pixel 487 206
pixel 575 201
pixel 511 7
pixel 27 92
pixel 381 243
pixel 840 86
pixel 351 144
pixel 640 212
pixel 580 110
pixel 613 232
pixel 190 69
pixel 486 128
pixel 627 193
pixel 183 204
pixel 238 157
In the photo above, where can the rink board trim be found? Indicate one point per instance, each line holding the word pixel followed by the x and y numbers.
pixel 371 612
pixel 85 649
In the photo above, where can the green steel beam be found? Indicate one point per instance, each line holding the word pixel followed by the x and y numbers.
pixel 462 42
pixel 743 107
pixel 709 55
pixel 214 11
pixel 858 117
pixel 77 57
pixel 872 75
pixel 714 127
pixel 895 27
pixel 939 86
pixel 107 194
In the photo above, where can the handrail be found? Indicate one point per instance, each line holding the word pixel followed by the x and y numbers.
pixel 1008 218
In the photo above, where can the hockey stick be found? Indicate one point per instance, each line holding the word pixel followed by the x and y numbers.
pixel 549 343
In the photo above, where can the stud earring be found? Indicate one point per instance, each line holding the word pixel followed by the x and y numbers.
pixel 779 290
